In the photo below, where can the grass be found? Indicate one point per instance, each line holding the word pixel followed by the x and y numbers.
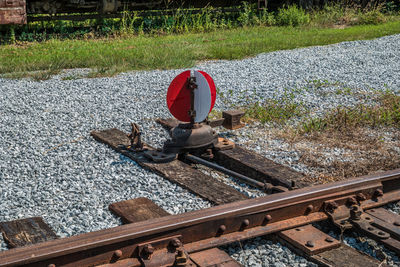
pixel 385 113
pixel 273 110
pixel 146 52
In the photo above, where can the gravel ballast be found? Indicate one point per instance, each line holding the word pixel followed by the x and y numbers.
pixel 51 167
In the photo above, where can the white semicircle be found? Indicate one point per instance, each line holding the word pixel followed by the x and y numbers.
pixel 202 97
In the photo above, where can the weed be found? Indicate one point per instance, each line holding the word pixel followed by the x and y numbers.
pixel 103 72
pixel 41 75
pixel 275 111
pixel 344 91
pixel 385 113
pixel 292 16
pixel 371 17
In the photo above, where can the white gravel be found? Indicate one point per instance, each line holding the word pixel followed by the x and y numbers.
pixel 51 167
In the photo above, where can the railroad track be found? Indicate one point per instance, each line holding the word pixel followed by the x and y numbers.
pixel 153 237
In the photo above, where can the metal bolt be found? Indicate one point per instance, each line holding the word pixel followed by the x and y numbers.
pixel 351 201
pixel 331 206
pixel 397 223
pixel 51 265
pixel 181 258
pixel 360 197
pixel 118 254
pixel 148 249
pixel 267 218
pixel 310 243
pixel 245 223
pixel 378 192
pixel 355 213
pixel 180 253
pixel 329 239
pixel 309 209
pixel 222 228
pixel 176 243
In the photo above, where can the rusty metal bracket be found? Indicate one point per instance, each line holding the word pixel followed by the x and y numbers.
pixel 136 138
pixel 192 86
pixel 224 144
pixel 363 222
pixel 164 252
pixel 309 239
pixel 380 227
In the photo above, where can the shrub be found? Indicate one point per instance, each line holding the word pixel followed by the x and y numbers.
pixel 292 16
pixel 371 17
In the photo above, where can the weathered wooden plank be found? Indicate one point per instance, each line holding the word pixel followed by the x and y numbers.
pixel 345 256
pixel 213 257
pixel 136 210
pixel 176 171
pixel 19 233
pixel 258 167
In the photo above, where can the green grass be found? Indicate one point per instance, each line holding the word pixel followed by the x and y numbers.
pixel 144 52
pixel 385 113
pixel 276 111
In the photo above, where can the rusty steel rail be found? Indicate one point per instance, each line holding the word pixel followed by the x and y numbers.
pixel 212 227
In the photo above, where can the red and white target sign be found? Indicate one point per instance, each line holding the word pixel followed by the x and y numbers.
pixel 178 96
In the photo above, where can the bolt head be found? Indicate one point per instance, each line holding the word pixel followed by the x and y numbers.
pixel 310 243
pixel 268 218
pixel 309 209
pixel 148 249
pixel 118 254
pixel 222 228
pixel 331 206
pixel 245 223
pixel 329 239
pixel 361 197
pixel 176 243
pixel 378 192
pixel 351 201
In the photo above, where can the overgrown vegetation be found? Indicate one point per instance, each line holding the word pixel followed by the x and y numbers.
pixel 346 141
pixel 385 113
pixel 292 16
pixel 275 110
pixel 201 20
pixel 110 56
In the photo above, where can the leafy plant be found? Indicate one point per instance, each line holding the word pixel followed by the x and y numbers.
pixel 292 16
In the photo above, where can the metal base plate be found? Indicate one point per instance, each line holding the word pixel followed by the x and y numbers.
pixel 186 137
